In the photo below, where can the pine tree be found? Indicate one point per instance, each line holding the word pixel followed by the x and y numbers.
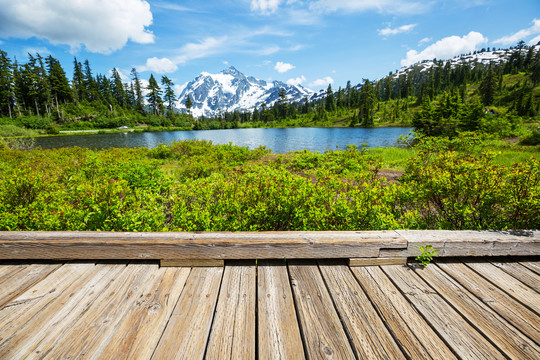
pixel 189 104
pixel 6 84
pixel 78 81
pixel 282 104
pixel 58 82
pixel 138 90
pixel 488 86
pixel 118 88
pixel 330 102
pixel 154 95
pixel 169 95
pixel 367 103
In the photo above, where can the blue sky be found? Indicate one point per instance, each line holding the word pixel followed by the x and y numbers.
pixel 313 43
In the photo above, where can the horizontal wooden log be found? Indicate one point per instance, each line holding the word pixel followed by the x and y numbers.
pixel 204 245
pixel 468 243
pixel 191 263
pixel 377 261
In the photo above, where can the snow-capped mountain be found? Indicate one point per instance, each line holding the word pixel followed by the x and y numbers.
pixel 231 90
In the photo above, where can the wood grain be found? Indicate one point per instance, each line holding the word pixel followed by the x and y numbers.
pixel 186 334
pixel 95 326
pixel 377 261
pixel 205 245
pixel 441 316
pixel 520 272
pixel 138 333
pixel 506 306
pixel 23 279
pixel 468 243
pixel 278 331
pixel 365 328
pixel 416 337
pixel 323 334
pixel 505 336
pixel 60 315
pixel 191 262
pixel 18 312
pixel 510 284
pixel 233 330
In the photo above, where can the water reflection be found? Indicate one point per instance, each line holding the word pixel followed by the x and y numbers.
pixel 280 140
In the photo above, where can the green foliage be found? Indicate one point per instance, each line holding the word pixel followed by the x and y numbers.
pixel 426 255
pixel 198 186
pixel 456 187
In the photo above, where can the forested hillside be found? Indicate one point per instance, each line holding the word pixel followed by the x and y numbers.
pixel 436 97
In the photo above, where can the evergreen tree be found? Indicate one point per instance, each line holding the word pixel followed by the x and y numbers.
pixel 58 82
pixel 6 84
pixel 282 104
pixel 154 95
pixel 78 81
pixel 169 95
pixel 138 91
pixel 488 86
pixel 189 104
pixel 367 103
pixel 330 102
pixel 90 83
pixel 118 91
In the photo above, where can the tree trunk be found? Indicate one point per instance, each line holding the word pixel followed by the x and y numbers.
pixel 9 107
pixel 37 109
pixel 57 110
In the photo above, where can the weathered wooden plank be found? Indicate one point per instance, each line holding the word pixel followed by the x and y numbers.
pixel 51 323
pixel 506 306
pixel 323 334
pixel 532 265
pixel 416 337
pixel 511 285
pixel 140 330
pixel 505 336
pixel 278 331
pixel 367 331
pixel 191 262
pixel 205 245
pixel 95 326
pixel 377 261
pixel 186 334
pixel 457 333
pixel 468 243
pixel 520 272
pixel 18 312
pixel 233 329
pixel 23 279
pixel 7 271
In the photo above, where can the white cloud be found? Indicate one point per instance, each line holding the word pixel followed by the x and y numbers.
pixel 402 29
pixel 322 82
pixel 265 6
pixel 101 26
pixel 296 81
pixel 521 34
pixel 283 67
pixel 225 62
pixel 160 66
pixel 208 46
pixel 424 40
pixel 446 48
pixel 269 50
pixel 381 6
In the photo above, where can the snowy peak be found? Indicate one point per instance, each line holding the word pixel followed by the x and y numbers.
pixel 230 90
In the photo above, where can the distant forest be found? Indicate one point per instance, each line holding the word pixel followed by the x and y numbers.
pixel 440 100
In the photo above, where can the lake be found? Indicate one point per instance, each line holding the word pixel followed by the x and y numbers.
pixel 280 140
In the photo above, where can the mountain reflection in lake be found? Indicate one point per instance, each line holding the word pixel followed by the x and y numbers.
pixel 280 140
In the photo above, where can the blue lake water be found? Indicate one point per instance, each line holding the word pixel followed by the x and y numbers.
pixel 280 140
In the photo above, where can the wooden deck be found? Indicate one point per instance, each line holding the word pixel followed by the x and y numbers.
pixel 317 309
